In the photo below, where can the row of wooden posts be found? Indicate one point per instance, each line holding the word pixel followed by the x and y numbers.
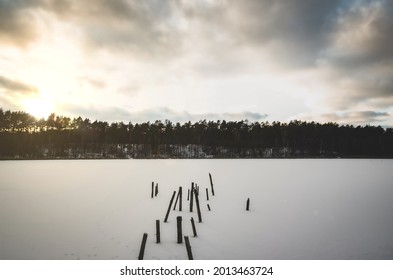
pixel 192 194
pixel 179 237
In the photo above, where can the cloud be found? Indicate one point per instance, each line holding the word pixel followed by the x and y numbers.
pixel 150 48
pixel 16 22
pixel 13 86
pixel 294 32
pixel 356 117
pixel 359 58
pixel 96 83
pixel 116 114
pixel 361 35
pixel 136 27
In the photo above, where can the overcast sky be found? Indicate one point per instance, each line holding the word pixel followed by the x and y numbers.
pixel 261 60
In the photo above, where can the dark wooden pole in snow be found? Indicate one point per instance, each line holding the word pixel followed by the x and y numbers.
pixel 192 197
pixel 169 208
pixel 156 191
pixel 143 245
pixel 188 248
pixel 207 194
pixel 180 198
pixel 177 199
pixel 208 206
pixel 198 208
pixel 211 183
pixel 248 204
pixel 158 236
pixel 179 230
pixel 188 195
pixel 193 227
pixel 152 189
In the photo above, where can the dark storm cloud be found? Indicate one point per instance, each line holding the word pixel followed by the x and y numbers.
pixel 351 39
pixel 369 25
pixel 13 86
pixel 296 29
pixel 360 55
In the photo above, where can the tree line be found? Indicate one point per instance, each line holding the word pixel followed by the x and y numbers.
pixel 25 137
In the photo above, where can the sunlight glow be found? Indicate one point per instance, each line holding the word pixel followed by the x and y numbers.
pixel 39 107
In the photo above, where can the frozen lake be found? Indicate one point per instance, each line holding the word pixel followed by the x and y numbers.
pixel 300 209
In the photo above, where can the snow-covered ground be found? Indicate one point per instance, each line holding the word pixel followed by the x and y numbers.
pixel 300 209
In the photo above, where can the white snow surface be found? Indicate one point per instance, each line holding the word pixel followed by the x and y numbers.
pixel 99 209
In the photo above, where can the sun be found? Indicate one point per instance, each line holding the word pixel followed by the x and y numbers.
pixel 38 107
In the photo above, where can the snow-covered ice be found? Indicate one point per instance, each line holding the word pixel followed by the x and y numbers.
pixel 300 209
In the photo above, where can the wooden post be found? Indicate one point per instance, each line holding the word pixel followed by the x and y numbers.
pixel 248 205
pixel 208 206
pixel 211 183
pixel 180 198
pixel 143 245
pixel 179 230
pixel 177 198
pixel 158 236
pixel 188 248
pixel 193 227
pixel 207 194
pixel 169 208
pixel 192 197
pixel 156 192
pixel 198 208
pixel 152 189
pixel 188 195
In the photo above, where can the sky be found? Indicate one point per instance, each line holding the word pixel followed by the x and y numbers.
pixel 260 60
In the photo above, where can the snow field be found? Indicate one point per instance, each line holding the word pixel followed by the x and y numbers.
pixel 300 209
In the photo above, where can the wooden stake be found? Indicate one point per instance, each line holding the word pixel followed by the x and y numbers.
pixel 169 208
pixel 208 206
pixel 158 236
pixel 156 192
pixel 188 248
pixel 143 245
pixel 181 198
pixel 198 208
pixel 211 183
pixel 177 198
pixel 179 230
pixel 152 189
pixel 207 194
pixel 248 205
pixel 193 227
pixel 192 197
pixel 188 195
